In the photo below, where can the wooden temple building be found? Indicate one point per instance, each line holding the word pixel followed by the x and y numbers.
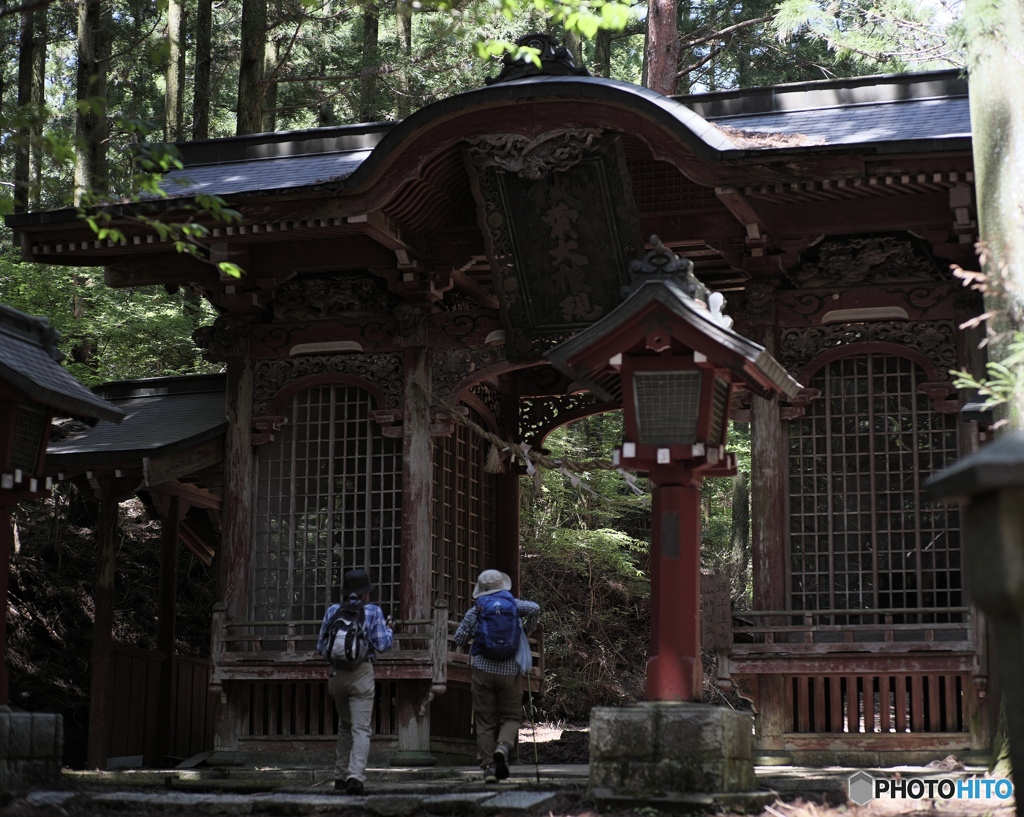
pixel 402 277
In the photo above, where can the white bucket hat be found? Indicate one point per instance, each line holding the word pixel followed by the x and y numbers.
pixel 491 581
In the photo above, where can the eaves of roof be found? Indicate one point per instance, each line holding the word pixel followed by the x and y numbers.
pixel 27 362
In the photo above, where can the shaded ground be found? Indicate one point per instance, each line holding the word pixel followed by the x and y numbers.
pixel 557 745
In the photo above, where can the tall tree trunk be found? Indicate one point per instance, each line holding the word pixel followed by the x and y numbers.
pixel 35 142
pixel 175 78
pixel 368 103
pixel 603 53
pixel 22 167
pixel 662 48
pixel 91 94
pixel 250 70
pixel 574 44
pixel 201 89
pixel 740 531
pixel 403 29
pixel 995 37
pixel 270 87
pixel 996 65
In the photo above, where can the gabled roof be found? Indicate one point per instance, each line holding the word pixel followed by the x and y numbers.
pixel 161 416
pixel 30 361
pixel 585 356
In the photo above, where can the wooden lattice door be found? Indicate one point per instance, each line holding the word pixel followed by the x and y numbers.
pixel 329 499
pixel 862 532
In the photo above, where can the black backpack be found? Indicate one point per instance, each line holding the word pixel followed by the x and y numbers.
pixel 348 643
pixel 497 626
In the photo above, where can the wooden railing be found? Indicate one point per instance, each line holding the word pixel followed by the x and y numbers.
pixel 284 650
pixel 796 641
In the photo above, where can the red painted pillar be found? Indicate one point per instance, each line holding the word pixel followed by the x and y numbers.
pixel 674 671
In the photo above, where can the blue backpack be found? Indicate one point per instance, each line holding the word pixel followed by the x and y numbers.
pixel 497 626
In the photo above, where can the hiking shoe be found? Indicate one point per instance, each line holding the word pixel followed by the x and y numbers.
pixel 489 775
pixel 354 787
pixel 501 762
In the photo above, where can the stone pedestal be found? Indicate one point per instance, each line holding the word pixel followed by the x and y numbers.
pixel 658 748
pixel 31 751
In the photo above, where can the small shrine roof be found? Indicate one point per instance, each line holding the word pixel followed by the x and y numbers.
pixel 161 416
pixel 30 361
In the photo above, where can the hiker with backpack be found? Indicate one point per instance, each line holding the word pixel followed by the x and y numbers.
pixel 351 635
pixel 495 624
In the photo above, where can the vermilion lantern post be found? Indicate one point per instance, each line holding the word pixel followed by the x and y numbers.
pixel 673 362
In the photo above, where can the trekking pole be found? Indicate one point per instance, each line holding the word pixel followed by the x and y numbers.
pixel 533 723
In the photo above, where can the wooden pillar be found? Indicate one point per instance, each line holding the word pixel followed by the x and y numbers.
pixel 236 538
pixel 768 534
pixel 6 547
pixel 506 524
pixel 417 483
pixel 506 499
pixel 101 660
pixel 167 617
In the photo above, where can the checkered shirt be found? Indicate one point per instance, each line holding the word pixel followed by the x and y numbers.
pixel 529 611
pixel 376 628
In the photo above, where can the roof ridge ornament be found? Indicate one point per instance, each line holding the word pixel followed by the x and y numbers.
pixel 555 61
pixel 661 264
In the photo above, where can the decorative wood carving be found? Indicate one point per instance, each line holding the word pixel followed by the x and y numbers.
pixel 451 366
pixel 227 338
pixel 538 416
pixel 860 261
pixel 385 371
pixel 936 340
pixel 492 398
pixel 325 297
pixel 560 224
pixel 756 305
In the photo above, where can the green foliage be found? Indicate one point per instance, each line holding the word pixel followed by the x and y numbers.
pixel 1004 378
pixel 586 553
pixel 109 334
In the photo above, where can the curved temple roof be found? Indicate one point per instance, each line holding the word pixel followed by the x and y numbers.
pixel 879 112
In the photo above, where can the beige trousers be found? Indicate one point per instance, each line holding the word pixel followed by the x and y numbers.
pixel 352 691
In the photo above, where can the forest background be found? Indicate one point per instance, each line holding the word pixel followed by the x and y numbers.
pixel 92 90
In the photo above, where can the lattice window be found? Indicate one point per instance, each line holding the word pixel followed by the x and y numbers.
pixel 862 534
pixel 329 499
pixel 463 515
pixel 29 426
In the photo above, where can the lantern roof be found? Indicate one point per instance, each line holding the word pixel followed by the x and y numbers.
pixel 996 466
pixel 661 313
pixel 30 362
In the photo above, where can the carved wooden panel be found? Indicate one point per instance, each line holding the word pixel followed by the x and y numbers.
pixel 560 224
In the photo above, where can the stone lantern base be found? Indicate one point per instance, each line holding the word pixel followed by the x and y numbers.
pixel 31 750
pixel 658 748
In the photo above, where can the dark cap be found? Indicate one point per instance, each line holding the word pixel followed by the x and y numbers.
pixel 356 582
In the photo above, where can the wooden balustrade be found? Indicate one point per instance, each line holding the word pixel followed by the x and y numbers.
pixel 285 650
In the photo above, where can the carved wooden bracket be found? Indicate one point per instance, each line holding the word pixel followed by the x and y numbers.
pixel 264 428
pixel 390 422
pixel 798 405
pixel 938 392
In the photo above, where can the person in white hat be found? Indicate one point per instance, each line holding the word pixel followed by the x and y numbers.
pixel 493 625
